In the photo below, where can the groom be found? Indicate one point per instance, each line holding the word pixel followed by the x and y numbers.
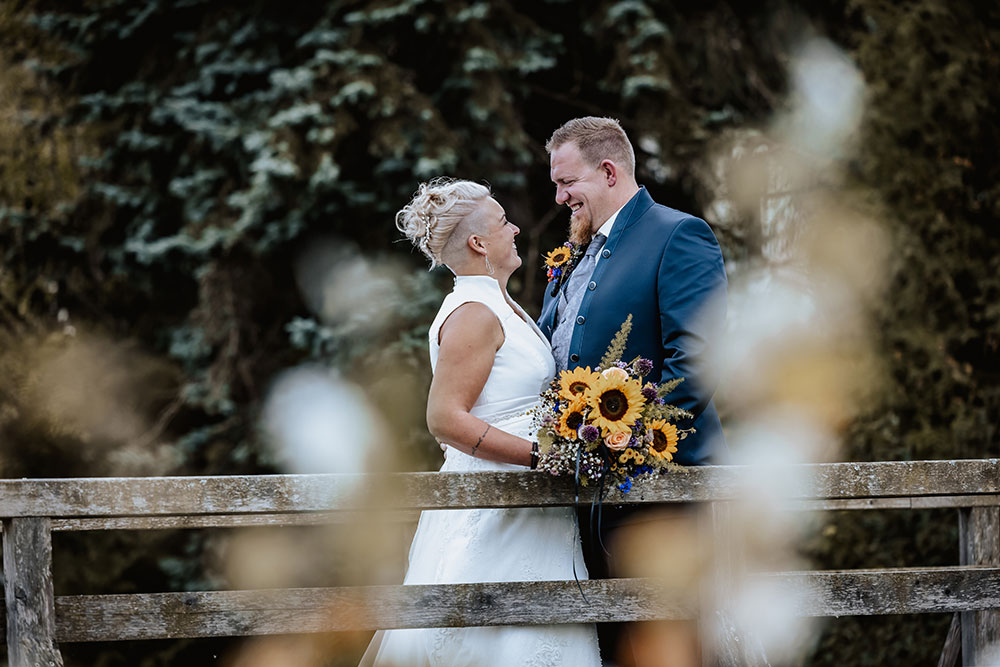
pixel 660 265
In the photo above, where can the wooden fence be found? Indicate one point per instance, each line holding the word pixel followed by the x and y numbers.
pixel 37 620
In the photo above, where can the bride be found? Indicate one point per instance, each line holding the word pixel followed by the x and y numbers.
pixel 490 362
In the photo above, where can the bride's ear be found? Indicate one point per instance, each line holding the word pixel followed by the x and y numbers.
pixel 476 244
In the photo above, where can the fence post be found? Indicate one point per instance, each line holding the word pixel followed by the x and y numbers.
pixel 27 566
pixel 979 544
pixel 725 644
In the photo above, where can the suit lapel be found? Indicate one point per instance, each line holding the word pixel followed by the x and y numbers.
pixel 630 214
pixel 633 210
pixel 546 321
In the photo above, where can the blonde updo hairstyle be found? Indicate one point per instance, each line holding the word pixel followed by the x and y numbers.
pixel 436 211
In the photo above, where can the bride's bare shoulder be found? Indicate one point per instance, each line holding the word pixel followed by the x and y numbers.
pixel 469 324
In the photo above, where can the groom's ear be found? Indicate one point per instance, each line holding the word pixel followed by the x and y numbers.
pixel 610 171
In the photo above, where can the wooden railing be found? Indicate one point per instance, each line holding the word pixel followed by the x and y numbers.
pixel 37 620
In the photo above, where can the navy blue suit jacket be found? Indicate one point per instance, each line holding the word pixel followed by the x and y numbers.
pixel 666 269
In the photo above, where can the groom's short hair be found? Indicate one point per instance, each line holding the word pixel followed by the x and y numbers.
pixel 598 139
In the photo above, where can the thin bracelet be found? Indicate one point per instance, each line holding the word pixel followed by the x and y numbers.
pixel 480 441
pixel 534 455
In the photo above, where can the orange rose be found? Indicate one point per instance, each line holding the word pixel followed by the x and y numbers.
pixel 615 373
pixel 618 440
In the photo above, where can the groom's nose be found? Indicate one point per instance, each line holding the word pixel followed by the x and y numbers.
pixel 561 195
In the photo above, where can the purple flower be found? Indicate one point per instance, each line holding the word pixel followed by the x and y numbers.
pixel 649 392
pixel 589 433
pixel 643 366
pixel 621 364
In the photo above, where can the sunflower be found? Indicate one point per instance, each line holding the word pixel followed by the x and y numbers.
pixel 558 257
pixel 572 418
pixel 615 403
pixel 575 383
pixel 664 444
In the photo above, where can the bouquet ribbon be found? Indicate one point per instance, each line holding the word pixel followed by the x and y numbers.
pixel 576 506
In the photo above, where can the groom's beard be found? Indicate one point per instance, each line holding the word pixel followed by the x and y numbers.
pixel 579 230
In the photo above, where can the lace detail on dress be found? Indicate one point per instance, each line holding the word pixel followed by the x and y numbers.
pixel 549 653
pixel 442 638
pixel 510 415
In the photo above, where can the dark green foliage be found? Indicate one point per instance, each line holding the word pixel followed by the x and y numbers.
pixel 933 131
pixel 930 136
pixel 166 165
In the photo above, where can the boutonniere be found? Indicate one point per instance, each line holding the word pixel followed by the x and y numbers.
pixel 561 261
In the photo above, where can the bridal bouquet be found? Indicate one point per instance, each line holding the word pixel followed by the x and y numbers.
pixel 608 423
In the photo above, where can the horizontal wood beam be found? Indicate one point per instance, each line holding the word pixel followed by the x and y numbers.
pixel 911 503
pixel 891 591
pixel 275 494
pixel 411 516
pixel 88 618
pixel 236 613
pixel 237 520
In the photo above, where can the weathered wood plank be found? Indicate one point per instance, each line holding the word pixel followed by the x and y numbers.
pixel 892 591
pixel 264 494
pixel 911 503
pixel 233 520
pixel 979 544
pixel 952 643
pixel 27 568
pixel 410 516
pixel 237 613
pixel 901 478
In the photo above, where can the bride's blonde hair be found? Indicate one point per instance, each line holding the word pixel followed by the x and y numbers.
pixel 436 210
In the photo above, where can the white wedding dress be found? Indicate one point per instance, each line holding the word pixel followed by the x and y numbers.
pixel 468 546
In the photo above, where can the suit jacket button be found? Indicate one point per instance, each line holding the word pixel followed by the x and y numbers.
pixel 606 253
pixel 574 358
pixel 581 319
pixel 592 285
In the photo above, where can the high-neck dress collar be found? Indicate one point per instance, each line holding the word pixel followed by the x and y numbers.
pixel 484 282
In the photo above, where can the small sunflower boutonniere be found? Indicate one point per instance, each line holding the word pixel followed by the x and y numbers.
pixel 559 262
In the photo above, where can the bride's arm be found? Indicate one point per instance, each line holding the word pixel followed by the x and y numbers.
pixel 469 340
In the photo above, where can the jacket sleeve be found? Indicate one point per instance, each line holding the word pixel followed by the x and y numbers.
pixel 691 290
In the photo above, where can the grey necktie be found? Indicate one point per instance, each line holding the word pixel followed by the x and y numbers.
pixel 569 302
